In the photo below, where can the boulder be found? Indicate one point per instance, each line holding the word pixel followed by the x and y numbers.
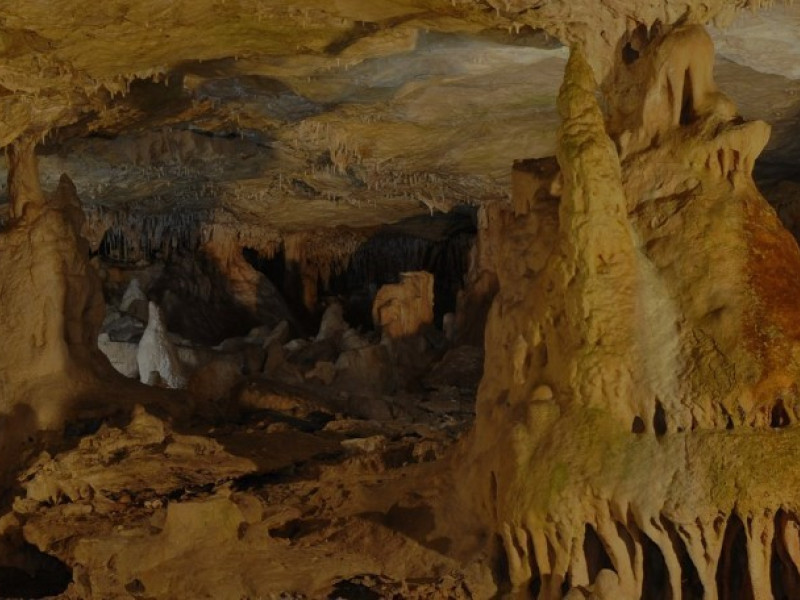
pixel 460 367
pixel 214 380
pixel 365 370
pixel 126 328
pixel 278 335
pixel 324 371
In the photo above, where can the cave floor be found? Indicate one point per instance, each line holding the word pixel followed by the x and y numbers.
pixel 288 500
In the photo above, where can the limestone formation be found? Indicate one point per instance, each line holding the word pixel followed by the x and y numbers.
pixel 666 359
pixel 134 301
pixel 402 309
pixel 333 322
pixel 123 356
pixel 214 380
pixel 51 310
pixel 157 358
pixel 569 376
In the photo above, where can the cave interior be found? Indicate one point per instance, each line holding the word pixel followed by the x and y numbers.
pixel 400 299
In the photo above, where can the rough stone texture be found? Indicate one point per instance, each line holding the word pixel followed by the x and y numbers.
pixel 247 286
pixel 323 113
pixel 333 323
pixel 114 460
pixel 214 380
pixel 643 353
pixel 365 370
pixel 94 507
pixel 123 356
pixel 641 349
pixel 157 356
pixel 52 305
pixel 51 310
pixel 402 309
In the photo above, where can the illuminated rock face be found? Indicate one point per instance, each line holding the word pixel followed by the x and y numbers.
pixel 51 303
pixel 51 309
pixel 402 309
pixel 642 351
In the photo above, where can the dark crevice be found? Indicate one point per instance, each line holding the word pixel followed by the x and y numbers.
pixel 629 54
pixel 733 576
pixel 638 425
pixel 438 244
pixel 50 577
pixel 656 575
pixel 597 558
pixel 500 568
pixel 779 417
pixel 660 419
pixel 690 578
pixel 687 102
pixel 784 576
pixel 298 528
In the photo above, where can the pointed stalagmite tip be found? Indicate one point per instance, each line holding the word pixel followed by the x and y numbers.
pixel 578 88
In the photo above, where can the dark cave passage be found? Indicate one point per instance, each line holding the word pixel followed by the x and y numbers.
pixel 439 244
pixel 44 577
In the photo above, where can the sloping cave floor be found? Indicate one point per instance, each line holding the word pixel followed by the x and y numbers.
pixel 326 504
pixel 279 483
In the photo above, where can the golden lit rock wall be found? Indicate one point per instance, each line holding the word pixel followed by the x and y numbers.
pixel 642 351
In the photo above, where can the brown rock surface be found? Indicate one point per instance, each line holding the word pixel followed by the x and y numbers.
pixel 402 309
pixel 637 414
pixel 626 347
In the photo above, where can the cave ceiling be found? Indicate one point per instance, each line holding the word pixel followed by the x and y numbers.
pixel 347 112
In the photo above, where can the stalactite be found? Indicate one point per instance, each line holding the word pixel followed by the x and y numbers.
pixel 132 236
pixel 658 431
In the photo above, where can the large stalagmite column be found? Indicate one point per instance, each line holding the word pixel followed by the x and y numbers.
pixel 51 306
pixel 643 352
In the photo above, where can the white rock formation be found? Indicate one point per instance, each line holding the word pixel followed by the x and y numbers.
pixel 123 356
pixel 157 354
pixel 133 293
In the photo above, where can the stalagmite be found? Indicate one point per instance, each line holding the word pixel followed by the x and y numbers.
pixel 134 301
pixel 606 406
pixel 156 356
pixel 51 310
pixel 121 355
pixel 402 309
pixel 24 189
pixel 49 291
pixel 656 352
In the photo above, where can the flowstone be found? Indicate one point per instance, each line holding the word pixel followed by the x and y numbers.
pixel 51 310
pixel 636 416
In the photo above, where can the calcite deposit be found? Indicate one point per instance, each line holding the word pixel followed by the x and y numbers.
pixel 641 361
pixel 402 309
pixel 466 300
